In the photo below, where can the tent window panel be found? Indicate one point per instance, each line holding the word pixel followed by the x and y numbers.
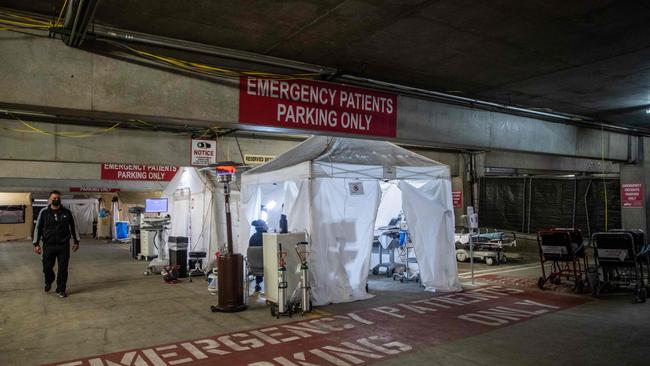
pixel 12 214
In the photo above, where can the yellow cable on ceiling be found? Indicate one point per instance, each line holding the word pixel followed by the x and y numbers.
pixel 65 2
pixel 602 155
pixel 70 134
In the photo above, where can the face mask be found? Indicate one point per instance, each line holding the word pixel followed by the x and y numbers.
pixel 56 202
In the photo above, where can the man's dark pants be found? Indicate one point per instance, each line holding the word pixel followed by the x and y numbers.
pixel 61 254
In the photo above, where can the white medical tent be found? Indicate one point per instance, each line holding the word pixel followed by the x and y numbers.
pixel 84 211
pixel 192 207
pixel 330 188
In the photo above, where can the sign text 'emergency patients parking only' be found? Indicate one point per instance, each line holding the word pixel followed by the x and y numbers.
pixel 315 105
pixel 162 173
pixel 632 195
pixel 203 152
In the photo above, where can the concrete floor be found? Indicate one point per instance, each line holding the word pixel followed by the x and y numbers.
pixel 113 307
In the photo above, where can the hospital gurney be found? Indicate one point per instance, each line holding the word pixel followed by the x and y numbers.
pixel 566 252
pixel 488 247
pixel 621 260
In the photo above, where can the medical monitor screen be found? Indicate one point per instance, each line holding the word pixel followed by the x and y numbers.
pixel 155 205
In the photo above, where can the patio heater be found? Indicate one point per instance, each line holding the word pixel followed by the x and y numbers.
pixel 230 266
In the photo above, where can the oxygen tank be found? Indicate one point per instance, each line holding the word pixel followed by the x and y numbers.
pixel 212 282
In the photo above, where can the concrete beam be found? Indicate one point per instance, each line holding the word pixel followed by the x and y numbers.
pixel 24 151
pixel 63 185
pixel 44 74
pixel 450 125
pixel 43 176
pixel 548 163
pixel 19 142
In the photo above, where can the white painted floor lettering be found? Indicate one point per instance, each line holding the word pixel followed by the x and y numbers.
pixel 388 310
pixel 500 315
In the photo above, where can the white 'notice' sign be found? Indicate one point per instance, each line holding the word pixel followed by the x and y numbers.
pixel 203 152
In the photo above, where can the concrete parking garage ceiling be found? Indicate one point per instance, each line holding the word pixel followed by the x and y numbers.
pixel 585 57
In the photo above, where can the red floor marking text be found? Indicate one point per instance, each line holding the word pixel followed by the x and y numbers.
pixel 355 338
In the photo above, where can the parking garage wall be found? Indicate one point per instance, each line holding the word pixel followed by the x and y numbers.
pixel 526 204
pixel 17 231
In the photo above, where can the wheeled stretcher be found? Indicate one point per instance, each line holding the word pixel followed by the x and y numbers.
pixel 622 260
pixel 565 250
pixel 488 247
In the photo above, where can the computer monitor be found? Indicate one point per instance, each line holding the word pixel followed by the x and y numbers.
pixel 155 205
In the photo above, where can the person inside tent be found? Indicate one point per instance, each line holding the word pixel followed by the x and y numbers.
pixel 256 240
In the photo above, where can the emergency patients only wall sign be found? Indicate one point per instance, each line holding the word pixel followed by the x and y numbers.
pixel 112 171
pixel 317 105
pixel 203 152
pixel 632 195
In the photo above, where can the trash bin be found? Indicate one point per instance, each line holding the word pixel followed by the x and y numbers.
pixel 178 254
pixel 121 230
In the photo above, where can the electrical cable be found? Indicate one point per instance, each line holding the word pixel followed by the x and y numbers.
pixel 23 24
pixel 241 154
pixel 56 24
pixel 208 69
pixel 29 19
pixel 15 22
pixel 72 134
pixel 602 155
pixel 86 134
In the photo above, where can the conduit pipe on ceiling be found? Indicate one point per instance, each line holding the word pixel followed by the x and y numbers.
pixel 329 73
pixel 117 34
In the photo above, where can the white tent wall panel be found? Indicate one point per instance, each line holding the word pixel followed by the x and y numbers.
pixel 297 205
pixel 430 216
pixel 203 231
pixel 179 210
pixel 250 202
pixel 84 212
pixel 314 178
pixel 296 172
pixel 390 205
pixel 342 230
pixel 192 207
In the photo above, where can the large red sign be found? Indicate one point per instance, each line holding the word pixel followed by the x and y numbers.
pixel 457 198
pixel 138 172
pixel 316 105
pixel 632 195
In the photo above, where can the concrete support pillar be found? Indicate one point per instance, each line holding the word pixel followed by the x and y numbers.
pixel 637 217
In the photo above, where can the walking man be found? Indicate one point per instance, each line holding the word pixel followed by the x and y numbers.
pixel 55 226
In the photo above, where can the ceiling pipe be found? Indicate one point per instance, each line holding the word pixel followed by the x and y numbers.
pixel 100 31
pixel 67 19
pixel 333 74
pixel 77 29
pixel 91 9
pixel 456 98
pixel 74 23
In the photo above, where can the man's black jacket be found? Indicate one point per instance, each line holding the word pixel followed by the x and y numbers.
pixel 55 227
